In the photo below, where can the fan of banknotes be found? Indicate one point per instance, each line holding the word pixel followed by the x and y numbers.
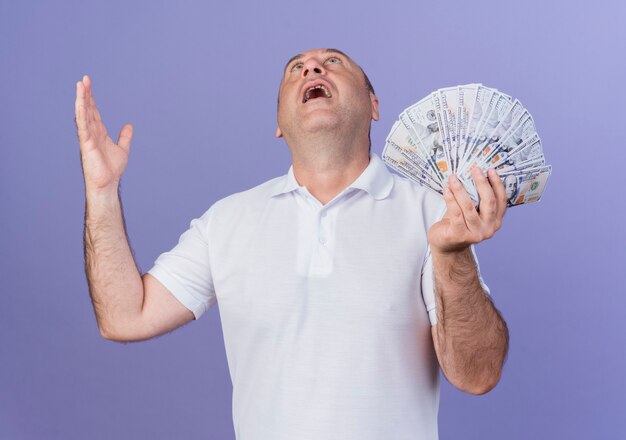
pixel 456 129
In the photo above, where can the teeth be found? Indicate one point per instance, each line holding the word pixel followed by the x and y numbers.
pixel 307 95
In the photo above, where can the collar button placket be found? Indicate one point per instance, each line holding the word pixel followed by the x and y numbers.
pixel 323 226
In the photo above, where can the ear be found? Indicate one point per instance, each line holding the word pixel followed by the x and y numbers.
pixel 374 100
pixel 279 132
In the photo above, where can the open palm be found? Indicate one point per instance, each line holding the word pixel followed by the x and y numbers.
pixel 103 160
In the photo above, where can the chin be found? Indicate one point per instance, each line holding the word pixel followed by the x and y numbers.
pixel 320 119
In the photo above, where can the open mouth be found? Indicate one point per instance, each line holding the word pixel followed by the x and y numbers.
pixel 316 91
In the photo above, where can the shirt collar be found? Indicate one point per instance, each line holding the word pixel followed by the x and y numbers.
pixel 287 184
pixel 376 180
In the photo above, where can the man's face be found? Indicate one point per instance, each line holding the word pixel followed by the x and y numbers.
pixel 323 89
pixel 510 186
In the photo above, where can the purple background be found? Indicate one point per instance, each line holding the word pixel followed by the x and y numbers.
pixel 199 82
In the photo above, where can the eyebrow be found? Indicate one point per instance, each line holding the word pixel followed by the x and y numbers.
pixel 292 59
pixel 330 50
pixel 337 51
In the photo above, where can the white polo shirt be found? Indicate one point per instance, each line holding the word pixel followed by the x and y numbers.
pixel 324 308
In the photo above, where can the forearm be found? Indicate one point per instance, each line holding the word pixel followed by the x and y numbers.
pixel 471 338
pixel 115 283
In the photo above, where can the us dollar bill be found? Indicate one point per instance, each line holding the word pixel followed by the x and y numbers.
pixel 421 122
pixel 457 129
pixel 449 98
pixel 442 151
pixel 393 156
pixel 477 132
pixel 505 114
pixel 522 130
pixel 530 149
pixel 401 148
pixel 525 187
pixel 528 155
pixel 468 98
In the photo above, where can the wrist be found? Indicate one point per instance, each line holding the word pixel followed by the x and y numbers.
pixel 450 254
pixel 457 267
pixel 101 201
pixel 101 193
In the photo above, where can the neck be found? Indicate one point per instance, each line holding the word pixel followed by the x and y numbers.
pixel 327 165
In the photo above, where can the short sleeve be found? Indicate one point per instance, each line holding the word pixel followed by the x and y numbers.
pixel 428 285
pixel 186 271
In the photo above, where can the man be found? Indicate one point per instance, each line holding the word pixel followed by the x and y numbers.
pixel 510 187
pixel 324 277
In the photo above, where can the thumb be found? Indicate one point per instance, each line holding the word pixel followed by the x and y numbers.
pixel 126 134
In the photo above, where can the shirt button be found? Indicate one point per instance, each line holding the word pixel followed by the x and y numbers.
pixel 323 214
pixel 322 240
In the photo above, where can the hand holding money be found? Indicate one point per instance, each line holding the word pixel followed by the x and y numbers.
pixel 463 224
pixel 103 160
pixel 455 130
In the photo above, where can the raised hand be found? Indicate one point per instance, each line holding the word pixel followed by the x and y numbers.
pixel 103 160
pixel 463 224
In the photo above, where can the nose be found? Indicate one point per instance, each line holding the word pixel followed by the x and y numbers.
pixel 312 65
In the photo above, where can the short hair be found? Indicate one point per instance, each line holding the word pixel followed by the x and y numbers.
pixel 368 83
